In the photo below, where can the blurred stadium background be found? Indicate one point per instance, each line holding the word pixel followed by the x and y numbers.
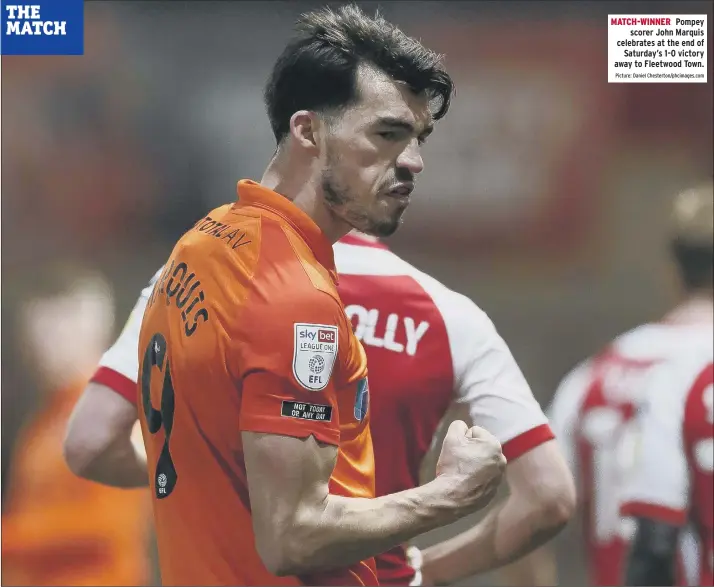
pixel 544 195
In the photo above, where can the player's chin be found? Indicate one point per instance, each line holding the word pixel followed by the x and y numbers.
pixel 385 227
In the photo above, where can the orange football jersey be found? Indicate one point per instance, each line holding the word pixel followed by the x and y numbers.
pixel 245 331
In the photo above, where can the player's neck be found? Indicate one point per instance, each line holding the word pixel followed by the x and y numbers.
pixel 298 186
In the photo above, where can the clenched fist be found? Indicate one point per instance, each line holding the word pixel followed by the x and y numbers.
pixel 472 462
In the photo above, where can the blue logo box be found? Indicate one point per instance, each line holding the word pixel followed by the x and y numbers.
pixel 42 27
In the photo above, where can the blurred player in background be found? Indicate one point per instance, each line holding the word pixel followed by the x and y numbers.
pixel 58 529
pixel 592 411
pixel 266 473
pixel 427 347
pixel 672 484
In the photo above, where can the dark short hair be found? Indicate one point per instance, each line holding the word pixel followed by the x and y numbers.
pixel 695 263
pixel 318 69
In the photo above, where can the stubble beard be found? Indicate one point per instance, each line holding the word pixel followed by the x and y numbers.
pixel 344 206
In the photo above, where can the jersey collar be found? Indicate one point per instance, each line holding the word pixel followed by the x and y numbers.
pixel 254 194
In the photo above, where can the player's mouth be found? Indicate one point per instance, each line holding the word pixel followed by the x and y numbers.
pixel 401 191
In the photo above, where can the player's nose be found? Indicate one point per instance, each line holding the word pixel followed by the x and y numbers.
pixel 411 158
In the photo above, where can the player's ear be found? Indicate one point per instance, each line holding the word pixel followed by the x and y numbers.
pixel 303 128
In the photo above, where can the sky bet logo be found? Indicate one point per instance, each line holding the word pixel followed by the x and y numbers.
pixel 321 335
pixel 42 27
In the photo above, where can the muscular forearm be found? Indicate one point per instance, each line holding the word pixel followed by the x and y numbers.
pixel 122 466
pixel 505 534
pixel 119 465
pixel 350 529
pixel 537 569
pixel 301 527
pixel 541 501
pixel 103 441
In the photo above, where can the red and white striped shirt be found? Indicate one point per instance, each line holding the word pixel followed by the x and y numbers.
pixel 593 417
pixel 673 476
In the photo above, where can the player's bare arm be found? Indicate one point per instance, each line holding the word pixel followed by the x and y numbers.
pixel 540 566
pixel 98 445
pixel 537 569
pixel 300 527
pixel 98 442
pixel 541 501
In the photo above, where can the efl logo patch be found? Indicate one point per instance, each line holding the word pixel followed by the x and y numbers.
pixel 42 27
pixel 314 355
pixel 304 411
pixel 361 399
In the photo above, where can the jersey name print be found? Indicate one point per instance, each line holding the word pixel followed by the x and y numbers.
pixel 272 355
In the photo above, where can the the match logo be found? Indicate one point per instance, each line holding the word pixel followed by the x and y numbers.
pixel 42 27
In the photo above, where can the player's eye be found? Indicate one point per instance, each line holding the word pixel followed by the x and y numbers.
pixel 396 136
pixel 389 135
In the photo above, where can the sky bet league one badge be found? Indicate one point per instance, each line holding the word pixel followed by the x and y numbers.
pixel 42 27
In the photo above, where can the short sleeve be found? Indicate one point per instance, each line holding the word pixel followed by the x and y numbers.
pixel 294 358
pixel 658 487
pixel 490 382
pixel 119 366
